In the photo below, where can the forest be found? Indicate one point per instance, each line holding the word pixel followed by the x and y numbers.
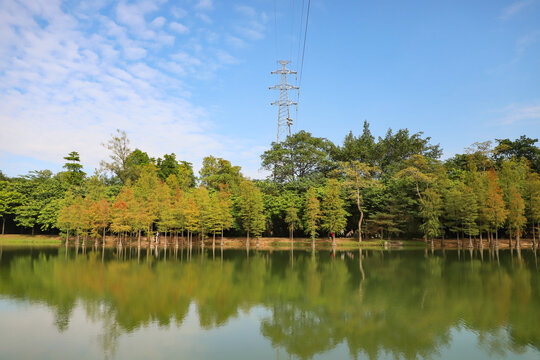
pixel 391 187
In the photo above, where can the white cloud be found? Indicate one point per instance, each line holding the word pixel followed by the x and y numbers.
pixel 235 41
pixel 521 112
pixel 246 10
pixel 204 5
pixel 515 8
pixel 158 22
pixel 178 12
pixel 226 58
pixel 179 28
pixel 205 18
pixel 134 53
pixel 64 88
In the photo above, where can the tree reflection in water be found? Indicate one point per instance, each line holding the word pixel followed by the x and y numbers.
pixel 401 303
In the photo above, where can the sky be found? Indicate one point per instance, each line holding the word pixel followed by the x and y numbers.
pixel 192 77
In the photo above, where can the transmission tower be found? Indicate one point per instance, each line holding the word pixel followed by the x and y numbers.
pixel 284 114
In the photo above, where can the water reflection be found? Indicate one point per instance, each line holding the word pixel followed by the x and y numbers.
pixel 406 304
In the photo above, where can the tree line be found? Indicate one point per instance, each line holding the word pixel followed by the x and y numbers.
pixel 394 186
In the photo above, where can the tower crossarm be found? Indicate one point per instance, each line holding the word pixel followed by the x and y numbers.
pixel 284 87
pixel 284 102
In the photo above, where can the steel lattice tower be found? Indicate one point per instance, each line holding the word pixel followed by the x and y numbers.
pixel 284 114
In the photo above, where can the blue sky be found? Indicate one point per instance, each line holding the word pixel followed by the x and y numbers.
pixel 192 76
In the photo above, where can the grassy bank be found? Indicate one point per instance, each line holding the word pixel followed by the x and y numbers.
pixel 13 239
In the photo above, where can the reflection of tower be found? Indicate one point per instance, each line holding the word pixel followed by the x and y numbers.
pixel 284 115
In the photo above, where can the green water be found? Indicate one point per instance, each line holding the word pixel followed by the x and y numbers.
pixel 269 305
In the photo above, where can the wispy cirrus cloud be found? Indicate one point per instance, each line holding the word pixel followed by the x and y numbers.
pixel 69 78
pixel 520 112
pixel 204 5
pixel 515 8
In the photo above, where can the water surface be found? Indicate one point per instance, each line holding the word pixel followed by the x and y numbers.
pixel 268 305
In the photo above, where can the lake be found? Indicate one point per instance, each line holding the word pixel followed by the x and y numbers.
pixel 233 304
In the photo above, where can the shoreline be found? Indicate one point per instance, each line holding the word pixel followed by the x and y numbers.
pixel 268 243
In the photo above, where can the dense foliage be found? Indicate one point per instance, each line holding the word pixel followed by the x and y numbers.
pixel 390 187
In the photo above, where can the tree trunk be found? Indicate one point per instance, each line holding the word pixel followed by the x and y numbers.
pixel 67 239
pixel 313 241
pixel 33 226
pixel 139 239
pixel 247 240
pixel 333 239
pixel 534 236
pixel 221 236
pixel 214 239
pixel 361 216
pixel 4 224
pixel 291 232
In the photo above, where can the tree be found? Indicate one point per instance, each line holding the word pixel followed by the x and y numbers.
pixel 358 176
pixel 533 201
pixel 470 213
pixel 396 148
pixel 135 160
pixel 495 208
pixel 202 199
pixel 520 148
pixel 292 220
pixel 39 200
pixel 192 218
pixel 431 210
pixel 119 147
pixel 144 190
pixel 361 148
pixel 221 205
pixel 312 214
pixel 75 175
pixel 123 217
pixel 300 157
pixel 99 218
pixel 334 216
pixel 9 198
pixel 250 209
pixel 516 213
pixel 216 172
pixel 453 205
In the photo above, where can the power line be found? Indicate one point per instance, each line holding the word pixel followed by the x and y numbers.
pixel 305 37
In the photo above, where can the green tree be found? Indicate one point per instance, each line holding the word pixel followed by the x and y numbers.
pixel 396 148
pixel 292 220
pixel 250 209
pixel 516 214
pixel 361 148
pixel 135 160
pixel 74 172
pixel 495 207
pixel 470 213
pixel 144 190
pixel 9 198
pixel 334 216
pixel 312 214
pixel 453 206
pixel 359 176
pixel 205 221
pixel 216 172
pixel 222 211
pixel 520 148
pixel 300 157
pixel 431 211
